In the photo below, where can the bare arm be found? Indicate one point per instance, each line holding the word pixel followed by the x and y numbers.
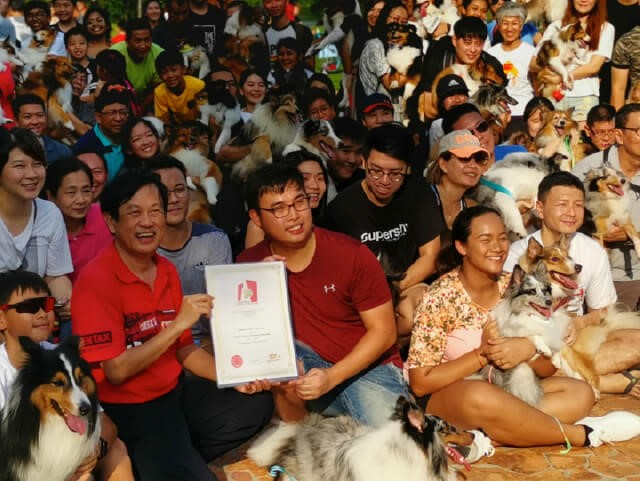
pixel 132 361
pixel 619 79
pixel 590 69
pixel 197 361
pixel 232 153
pixel 381 335
pixel 423 266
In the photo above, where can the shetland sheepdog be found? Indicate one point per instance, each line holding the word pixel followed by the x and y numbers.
pixel 197 61
pixel 541 11
pixel 50 422
pixel 273 126
pixel 473 75
pixel 493 102
pixel 411 445
pixel 565 50
pixel 189 143
pixel 608 200
pixel 53 85
pixel 244 30
pixel 404 56
pixel 317 137
pixel 216 102
pixel 560 135
pixel 36 53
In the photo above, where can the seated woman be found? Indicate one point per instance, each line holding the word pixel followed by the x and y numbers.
pixel 140 141
pixel 453 337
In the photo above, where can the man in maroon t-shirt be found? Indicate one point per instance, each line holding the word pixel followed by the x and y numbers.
pixel 340 302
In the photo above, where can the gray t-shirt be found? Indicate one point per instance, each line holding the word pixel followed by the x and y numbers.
pixel 207 246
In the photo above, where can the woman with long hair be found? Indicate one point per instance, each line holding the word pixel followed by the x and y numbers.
pixel 152 11
pixel 98 24
pixel 454 336
pixel 253 88
pixel 140 142
pixel 592 16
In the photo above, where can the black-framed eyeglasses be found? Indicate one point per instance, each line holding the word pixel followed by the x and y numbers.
pixel 179 190
pixel 480 158
pixel 376 174
pixel 37 14
pixel 32 306
pixel 300 204
pixel 635 130
pixel 398 27
pixel 481 128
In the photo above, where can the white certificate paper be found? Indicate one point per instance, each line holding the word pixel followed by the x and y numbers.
pixel 251 323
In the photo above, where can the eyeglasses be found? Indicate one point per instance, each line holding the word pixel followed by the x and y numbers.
pixel 32 306
pixel 603 133
pixel 116 113
pixel 479 158
pixel 300 204
pixel 179 190
pixel 481 128
pixel 398 27
pixel 377 174
pixel 33 15
pixel 636 130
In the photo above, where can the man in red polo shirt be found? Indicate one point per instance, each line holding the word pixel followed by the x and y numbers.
pixel 340 301
pixel 136 329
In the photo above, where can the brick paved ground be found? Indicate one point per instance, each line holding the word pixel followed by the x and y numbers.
pixel 619 462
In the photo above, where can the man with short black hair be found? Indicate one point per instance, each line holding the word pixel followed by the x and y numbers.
pixel 600 126
pixel 377 110
pixel 206 26
pixel 393 214
pixel 343 168
pixel 63 10
pixel 31 114
pixel 465 47
pixel 174 33
pixel 281 27
pixel 451 91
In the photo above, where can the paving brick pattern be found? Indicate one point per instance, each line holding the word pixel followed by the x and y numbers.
pixel 620 462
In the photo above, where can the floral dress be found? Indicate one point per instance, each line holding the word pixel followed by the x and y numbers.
pixel 447 322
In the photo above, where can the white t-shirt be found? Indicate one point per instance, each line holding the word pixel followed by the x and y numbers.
pixel 273 36
pixel 590 85
pixel 43 249
pixel 516 67
pixel 8 373
pixel 596 284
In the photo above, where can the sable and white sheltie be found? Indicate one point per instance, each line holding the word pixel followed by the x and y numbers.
pixel 317 137
pixel 50 422
pixel 411 445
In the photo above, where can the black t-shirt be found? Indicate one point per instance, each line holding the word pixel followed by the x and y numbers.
pixel 398 229
pixel 208 31
pixel 442 53
pixel 623 17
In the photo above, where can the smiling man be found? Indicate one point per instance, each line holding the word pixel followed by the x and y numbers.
pixel 340 303
pixel 136 331
pixel 393 214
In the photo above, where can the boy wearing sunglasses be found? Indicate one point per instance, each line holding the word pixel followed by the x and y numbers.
pixel 27 309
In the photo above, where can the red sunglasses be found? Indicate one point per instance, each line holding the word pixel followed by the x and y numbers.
pixel 32 306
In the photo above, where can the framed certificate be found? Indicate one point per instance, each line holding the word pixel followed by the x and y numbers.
pixel 251 323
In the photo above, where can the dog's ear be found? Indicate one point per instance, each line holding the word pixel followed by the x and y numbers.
pixel 564 243
pixel 541 272
pixel 72 342
pixel 517 276
pixel 534 250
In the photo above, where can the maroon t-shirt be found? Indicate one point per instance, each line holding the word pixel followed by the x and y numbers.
pixel 343 279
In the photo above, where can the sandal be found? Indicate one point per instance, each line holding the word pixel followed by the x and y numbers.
pixel 632 381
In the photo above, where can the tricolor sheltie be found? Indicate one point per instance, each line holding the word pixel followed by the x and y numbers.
pixel 411 445
pixel 50 422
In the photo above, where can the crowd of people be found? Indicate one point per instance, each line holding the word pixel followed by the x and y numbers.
pixel 392 267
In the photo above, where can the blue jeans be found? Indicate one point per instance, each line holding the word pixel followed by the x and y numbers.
pixel 368 397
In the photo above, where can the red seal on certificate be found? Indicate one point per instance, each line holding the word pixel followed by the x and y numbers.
pixel 236 361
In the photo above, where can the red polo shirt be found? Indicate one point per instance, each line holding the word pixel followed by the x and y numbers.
pixel 112 309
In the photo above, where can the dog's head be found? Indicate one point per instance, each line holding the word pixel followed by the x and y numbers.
pixel 284 107
pixel 190 136
pixel 607 182
pixel 398 34
pixel 494 98
pixel 319 138
pixel 559 122
pixel 530 292
pixel 438 439
pixel 576 34
pixel 561 269
pixel 58 384
pixel 43 38
pixel 59 68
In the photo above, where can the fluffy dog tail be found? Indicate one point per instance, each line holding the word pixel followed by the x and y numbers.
pixel 267 448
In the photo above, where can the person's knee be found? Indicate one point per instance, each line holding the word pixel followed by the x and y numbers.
pixel 483 399
pixel 116 465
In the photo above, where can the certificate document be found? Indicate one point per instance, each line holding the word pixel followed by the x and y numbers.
pixel 251 323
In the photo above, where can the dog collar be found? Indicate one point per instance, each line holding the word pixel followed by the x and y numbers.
pixel 497 187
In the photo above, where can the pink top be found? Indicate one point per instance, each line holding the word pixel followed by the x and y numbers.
pixel 86 244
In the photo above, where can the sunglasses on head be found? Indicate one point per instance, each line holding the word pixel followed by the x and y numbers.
pixel 32 306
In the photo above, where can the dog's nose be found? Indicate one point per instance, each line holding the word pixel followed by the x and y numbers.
pixel 578 268
pixel 85 408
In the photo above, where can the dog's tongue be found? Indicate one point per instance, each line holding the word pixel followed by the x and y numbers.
pixel 77 424
pixel 616 189
pixel 566 281
pixel 457 458
pixel 545 311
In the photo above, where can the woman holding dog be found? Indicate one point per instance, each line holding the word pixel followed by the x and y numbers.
pixel 454 337
pixel 592 15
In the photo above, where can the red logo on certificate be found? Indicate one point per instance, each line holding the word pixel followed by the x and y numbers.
pixel 247 292
pixel 236 361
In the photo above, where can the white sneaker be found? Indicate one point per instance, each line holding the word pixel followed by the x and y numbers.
pixel 479 448
pixel 612 427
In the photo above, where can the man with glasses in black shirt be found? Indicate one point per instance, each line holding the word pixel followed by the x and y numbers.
pixel 392 213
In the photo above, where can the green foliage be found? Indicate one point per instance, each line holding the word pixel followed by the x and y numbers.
pixel 120 9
